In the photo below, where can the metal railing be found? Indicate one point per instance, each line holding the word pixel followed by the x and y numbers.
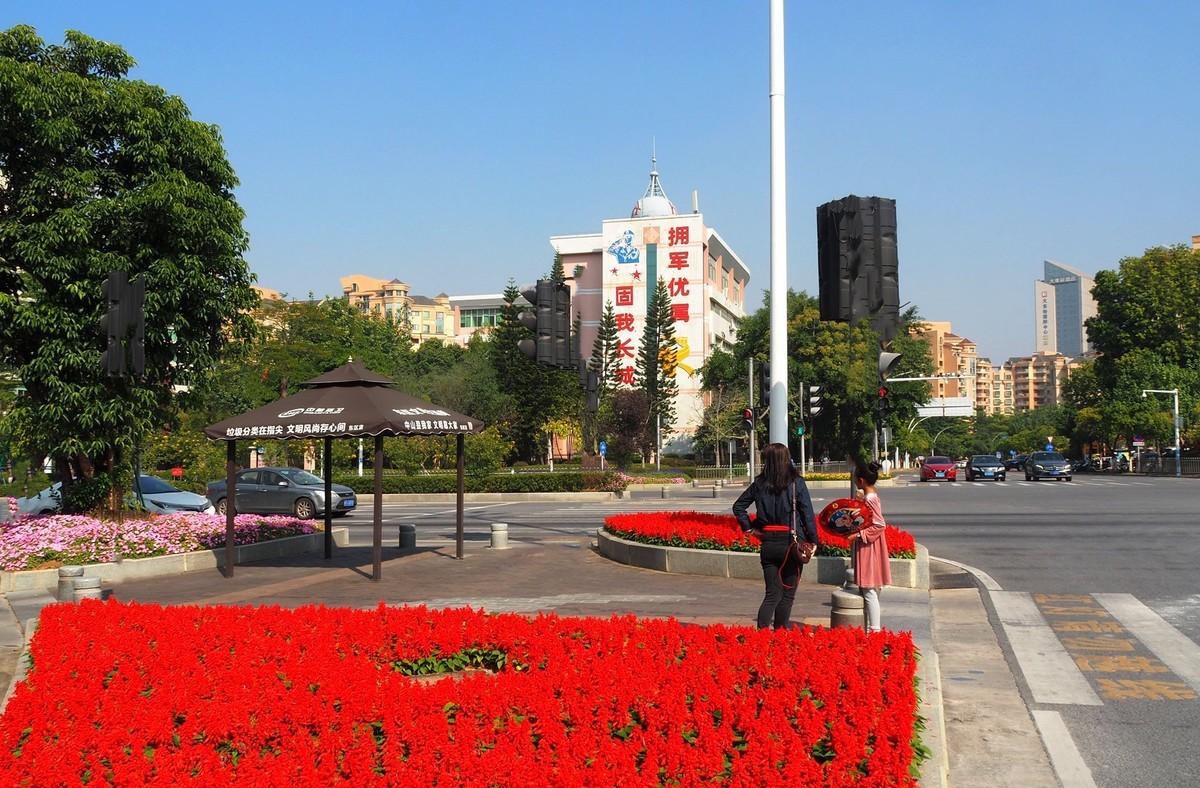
pixel 703 472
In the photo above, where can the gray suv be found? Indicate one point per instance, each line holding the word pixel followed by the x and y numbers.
pixel 1046 465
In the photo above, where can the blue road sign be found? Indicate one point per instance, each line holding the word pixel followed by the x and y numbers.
pixel 603 448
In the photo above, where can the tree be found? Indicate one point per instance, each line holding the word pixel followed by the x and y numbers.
pixel 828 354
pixel 533 395
pixel 656 359
pixel 606 357
pixel 625 423
pixel 1147 334
pixel 103 173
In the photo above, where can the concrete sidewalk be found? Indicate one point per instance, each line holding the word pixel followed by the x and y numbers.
pixel 978 727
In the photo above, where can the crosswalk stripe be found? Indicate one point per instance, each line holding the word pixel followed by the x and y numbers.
pixel 1068 763
pixel 1174 648
pixel 1049 671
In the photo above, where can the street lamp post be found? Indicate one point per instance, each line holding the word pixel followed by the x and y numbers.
pixel 1178 448
pixel 933 448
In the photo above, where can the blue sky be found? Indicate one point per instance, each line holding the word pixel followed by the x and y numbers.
pixel 444 142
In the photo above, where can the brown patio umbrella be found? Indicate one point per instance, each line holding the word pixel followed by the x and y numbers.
pixel 348 402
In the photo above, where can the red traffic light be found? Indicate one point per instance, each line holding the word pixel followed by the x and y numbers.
pixel 748 414
pixel 883 392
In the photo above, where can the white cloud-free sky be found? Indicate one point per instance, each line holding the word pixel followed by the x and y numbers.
pixel 444 142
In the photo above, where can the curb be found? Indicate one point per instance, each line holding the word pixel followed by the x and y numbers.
pixel 830 570
pixel 135 568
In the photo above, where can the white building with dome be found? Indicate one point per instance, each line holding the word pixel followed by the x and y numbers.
pixel 705 280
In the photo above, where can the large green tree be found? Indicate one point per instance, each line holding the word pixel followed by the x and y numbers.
pixel 1147 335
pixel 828 354
pixel 656 359
pixel 100 173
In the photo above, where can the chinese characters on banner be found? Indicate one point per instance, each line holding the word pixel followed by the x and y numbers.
pixel 628 284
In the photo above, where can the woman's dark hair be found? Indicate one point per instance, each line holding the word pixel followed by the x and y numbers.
pixel 777 468
pixel 869 473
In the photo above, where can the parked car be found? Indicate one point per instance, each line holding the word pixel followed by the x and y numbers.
pixel 48 501
pixel 936 468
pixel 985 466
pixel 163 498
pixel 292 491
pixel 157 496
pixel 1047 465
pixel 1015 463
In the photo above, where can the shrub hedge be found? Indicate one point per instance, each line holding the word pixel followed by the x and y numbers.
pixel 564 481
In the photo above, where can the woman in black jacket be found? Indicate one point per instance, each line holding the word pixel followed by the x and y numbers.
pixel 777 492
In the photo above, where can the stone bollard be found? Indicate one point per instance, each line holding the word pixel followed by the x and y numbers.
pixel 847 610
pixel 408 535
pixel 664 491
pixel 714 492
pixel 499 536
pixel 87 588
pixel 67 575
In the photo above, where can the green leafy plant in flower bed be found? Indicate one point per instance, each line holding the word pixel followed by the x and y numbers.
pixel 704 531
pixel 124 694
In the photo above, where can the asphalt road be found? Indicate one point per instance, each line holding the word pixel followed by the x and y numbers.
pixel 1096 598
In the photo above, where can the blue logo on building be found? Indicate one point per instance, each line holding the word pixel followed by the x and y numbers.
pixel 624 250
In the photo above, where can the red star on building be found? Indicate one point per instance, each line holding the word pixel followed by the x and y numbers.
pixel 637 275
pixel 614 271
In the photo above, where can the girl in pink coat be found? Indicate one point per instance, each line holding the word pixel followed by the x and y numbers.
pixel 872 571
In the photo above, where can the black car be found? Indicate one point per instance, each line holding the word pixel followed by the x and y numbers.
pixel 985 466
pixel 1016 463
pixel 292 491
pixel 1047 465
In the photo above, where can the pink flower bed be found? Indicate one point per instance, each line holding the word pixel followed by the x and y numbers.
pixel 30 542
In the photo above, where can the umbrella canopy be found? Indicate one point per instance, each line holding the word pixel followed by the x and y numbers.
pixel 347 402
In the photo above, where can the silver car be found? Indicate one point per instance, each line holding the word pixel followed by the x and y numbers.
pixel 156 496
pixel 292 491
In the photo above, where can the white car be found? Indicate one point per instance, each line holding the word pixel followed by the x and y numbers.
pixel 158 496
pixel 164 498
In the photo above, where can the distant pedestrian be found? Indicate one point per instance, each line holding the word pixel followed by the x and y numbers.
pixel 872 571
pixel 784 514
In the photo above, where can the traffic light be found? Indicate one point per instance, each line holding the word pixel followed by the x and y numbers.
pixel 112 323
pixel 562 325
pixel 887 362
pixel 593 392
pixel 748 419
pixel 814 400
pixel 124 311
pixel 764 383
pixel 539 320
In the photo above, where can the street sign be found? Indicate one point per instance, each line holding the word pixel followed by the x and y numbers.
pixel 603 448
pixel 1138 441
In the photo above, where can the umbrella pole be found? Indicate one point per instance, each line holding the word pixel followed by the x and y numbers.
pixel 230 502
pixel 377 564
pixel 328 498
pixel 459 514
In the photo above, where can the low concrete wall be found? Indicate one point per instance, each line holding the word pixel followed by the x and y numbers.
pixel 134 568
pixel 829 570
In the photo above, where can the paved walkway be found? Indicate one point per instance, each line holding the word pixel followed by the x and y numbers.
pixel 979 728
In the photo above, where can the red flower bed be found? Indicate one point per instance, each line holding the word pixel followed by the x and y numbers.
pixel 722 532
pixel 124 694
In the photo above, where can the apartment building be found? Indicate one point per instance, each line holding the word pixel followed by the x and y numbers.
pixel 955 358
pixel 1037 380
pixel 427 318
